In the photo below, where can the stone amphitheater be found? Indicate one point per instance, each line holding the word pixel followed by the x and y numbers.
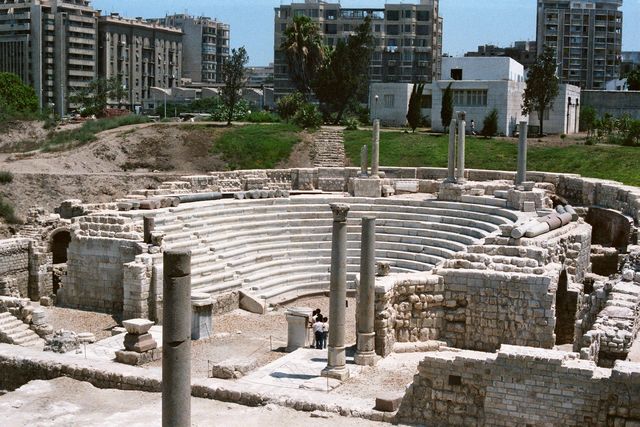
pixel 522 301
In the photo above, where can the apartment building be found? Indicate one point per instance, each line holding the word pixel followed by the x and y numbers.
pixel 587 36
pixel 140 54
pixel 51 45
pixel 408 38
pixel 205 46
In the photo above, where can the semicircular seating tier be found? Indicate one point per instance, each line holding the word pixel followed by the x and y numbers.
pixel 280 249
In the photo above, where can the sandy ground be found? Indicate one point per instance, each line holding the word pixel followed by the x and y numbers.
pixel 241 334
pixel 66 402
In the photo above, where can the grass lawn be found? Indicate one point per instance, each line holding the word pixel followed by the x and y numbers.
pixel 415 150
pixel 256 146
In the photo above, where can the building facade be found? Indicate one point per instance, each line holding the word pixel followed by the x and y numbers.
pixel 480 85
pixel 51 45
pixel 140 54
pixel 408 38
pixel 205 46
pixel 587 37
pixel 524 52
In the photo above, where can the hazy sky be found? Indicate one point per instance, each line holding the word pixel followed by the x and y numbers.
pixel 467 23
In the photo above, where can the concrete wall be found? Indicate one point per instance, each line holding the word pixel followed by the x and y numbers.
pixel 503 95
pixel 390 115
pixel 521 386
pixel 481 68
pixel 616 103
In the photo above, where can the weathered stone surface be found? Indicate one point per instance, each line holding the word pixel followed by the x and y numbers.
pixel 388 402
pixel 137 326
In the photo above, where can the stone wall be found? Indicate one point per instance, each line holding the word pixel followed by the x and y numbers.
pixel 471 309
pixel 14 266
pixel 521 386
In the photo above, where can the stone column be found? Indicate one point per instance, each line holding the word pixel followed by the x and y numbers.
pixel 364 161
pixel 149 224
pixel 176 339
pixel 336 366
pixel 375 154
pixel 451 171
pixel 462 124
pixel 366 345
pixel 522 154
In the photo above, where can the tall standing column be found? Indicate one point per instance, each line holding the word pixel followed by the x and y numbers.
pixel 337 358
pixel 176 339
pixel 451 171
pixel 522 154
pixel 375 152
pixel 364 161
pixel 462 124
pixel 366 345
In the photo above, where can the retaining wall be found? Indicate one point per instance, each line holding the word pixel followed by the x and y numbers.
pixel 521 386
pixel 14 265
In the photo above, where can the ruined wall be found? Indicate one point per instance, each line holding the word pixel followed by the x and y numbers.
pixel 100 246
pixel 14 267
pixel 471 309
pixel 520 386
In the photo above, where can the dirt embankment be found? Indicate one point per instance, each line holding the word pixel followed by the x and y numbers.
pixel 120 160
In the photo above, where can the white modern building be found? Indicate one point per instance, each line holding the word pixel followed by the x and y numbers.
pixel 480 85
pixel 389 102
pixel 564 115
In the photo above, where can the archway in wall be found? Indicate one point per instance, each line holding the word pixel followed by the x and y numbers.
pixel 566 310
pixel 59 244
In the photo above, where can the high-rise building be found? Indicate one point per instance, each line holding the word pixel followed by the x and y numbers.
pixel 587 36
pixel 51 45
pixel 140 54
pixel 408 38
pixel 205 46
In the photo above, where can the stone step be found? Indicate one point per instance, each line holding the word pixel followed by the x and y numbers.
pixel 205 285
pixel 289 293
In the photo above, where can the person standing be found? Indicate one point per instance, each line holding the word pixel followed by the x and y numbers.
pixel 317 332
pixel 325 331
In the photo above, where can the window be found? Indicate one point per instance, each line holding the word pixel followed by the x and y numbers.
pixel 422 30
pixel 377 28
pixel 393 15
pixel 393 30
pixel 456 74
pixel 470 98
pixel 389 101
pixel 422 15
pixel 408 14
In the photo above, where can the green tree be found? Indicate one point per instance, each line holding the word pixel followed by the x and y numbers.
pixel 588 118
pixel 233 78
pixel 446 112
pixel 542 86
pixel 633 79
pixel 344 78
pixel 94 98
pixel 414 115
pixel 15 96
pixel 302 45
pixel 490 124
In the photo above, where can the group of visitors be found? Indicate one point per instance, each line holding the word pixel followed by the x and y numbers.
pixel 320 326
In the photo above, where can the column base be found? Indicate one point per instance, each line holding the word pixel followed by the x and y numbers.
pixel 366 358
pixel 340 373
pixel 449 181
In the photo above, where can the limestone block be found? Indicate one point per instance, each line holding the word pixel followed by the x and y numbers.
pixel 139 343
pixel 367 187
pixel 137 326
pixel 388 402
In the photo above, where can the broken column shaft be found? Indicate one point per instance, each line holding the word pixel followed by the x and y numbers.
pixel 451 170
pixel 522 154
pixel 176 339
pixel 375 151
pixel 365 353
pixel 461 142
pixel 336 366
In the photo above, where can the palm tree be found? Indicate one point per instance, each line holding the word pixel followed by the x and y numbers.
pixel 303 47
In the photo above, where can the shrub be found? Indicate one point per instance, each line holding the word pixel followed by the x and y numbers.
pixel 288 106
pixel 563 136
pixel 7 212
pixel 490 124
pixel 308 117
pixel 261 117
pixel 351 123
pixel 6 177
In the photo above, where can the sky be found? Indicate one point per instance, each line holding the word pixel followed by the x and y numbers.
pixel 467 23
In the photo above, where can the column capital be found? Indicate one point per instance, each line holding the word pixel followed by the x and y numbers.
pixel 340 211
